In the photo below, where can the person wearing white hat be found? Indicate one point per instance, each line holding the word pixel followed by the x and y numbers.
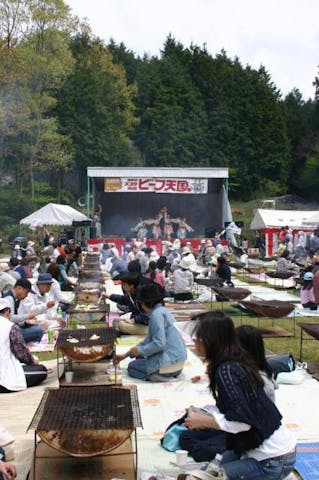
pixel 6 280
pixel 30 331
pixel 13 352
pixel 183 280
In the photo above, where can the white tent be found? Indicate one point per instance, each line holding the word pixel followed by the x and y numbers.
pixel 295 219
pixel 53 214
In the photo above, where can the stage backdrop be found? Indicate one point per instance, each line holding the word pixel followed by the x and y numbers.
pixel 122 211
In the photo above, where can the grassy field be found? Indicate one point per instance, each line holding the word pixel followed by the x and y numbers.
pixel 276 345
pixel 310 350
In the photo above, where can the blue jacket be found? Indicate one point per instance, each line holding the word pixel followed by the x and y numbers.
pixel 164 344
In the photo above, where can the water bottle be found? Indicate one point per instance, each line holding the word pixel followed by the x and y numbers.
pixel 215 468
pixel 59 312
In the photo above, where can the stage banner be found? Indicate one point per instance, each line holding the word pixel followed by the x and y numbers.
pixel 156 185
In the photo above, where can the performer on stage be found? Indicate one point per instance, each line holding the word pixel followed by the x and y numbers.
pixel 182 230
pixel 141 229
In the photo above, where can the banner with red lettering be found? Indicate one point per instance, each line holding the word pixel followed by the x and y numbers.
pixel 156 185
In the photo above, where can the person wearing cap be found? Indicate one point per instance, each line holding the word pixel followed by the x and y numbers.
pixel 162 351
pixel 38 301
pixel 30 331
pixel 183 280
pixel 7 281
pixel 307 297
pixel 13 352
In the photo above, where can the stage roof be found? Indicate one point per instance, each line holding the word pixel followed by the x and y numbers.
pixel 101 172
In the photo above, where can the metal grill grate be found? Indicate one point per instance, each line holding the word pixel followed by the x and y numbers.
pixel 86 337
pixel 90 408
pixel 93 308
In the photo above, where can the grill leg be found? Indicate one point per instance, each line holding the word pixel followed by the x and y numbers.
pixel 301 341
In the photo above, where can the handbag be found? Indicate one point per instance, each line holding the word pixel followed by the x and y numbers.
pixel 170 440
pixel 282 363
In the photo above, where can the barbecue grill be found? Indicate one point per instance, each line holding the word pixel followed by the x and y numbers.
pixel 256 270
pixel 88 313
pixel 92 260
pixel 208 282
pixel 232 293
pixel 88 283
pixel 87 294
pixel 282 275
pixel 87 345
pixel 269 308
pixel 87 421
pixel 90 275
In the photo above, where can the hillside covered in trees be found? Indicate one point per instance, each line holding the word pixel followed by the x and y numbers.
pixel 68 100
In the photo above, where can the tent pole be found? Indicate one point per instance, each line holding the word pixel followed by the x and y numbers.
pixel 88 204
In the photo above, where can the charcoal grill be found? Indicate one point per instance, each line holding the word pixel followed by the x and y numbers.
pixel 209 282
pixel 87 421
pixel 269 308
pixel 88 283
pixel 87 345
pixel 281 275
pixel 87 294
pixel 92 260
pixel 232 293
pixel 88 313
pixel 255 270
pixel 90 275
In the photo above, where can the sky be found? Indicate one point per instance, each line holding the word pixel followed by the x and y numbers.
pixel 282 35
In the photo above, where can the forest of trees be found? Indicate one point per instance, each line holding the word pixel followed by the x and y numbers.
pixel 69 100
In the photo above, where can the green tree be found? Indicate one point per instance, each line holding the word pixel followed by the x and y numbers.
pixel 172 129
pixel 28 88
pixel 95 107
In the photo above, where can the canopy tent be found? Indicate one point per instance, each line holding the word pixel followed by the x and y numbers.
pixel 53 214
pixel 270 221
pixel 295 219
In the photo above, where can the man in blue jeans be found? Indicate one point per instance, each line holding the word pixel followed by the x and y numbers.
pixel 31 332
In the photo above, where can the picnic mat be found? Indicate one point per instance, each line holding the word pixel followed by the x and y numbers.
pixel 307 464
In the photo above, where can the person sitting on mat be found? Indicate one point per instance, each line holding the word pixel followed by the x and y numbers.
pixel 161 355
pixel 137 324
pixel 307 297
pixel 203 445
pixel 258 444
pixel 13 350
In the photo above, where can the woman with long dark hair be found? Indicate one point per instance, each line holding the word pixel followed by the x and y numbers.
pixel 203 444
pixel 258 445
